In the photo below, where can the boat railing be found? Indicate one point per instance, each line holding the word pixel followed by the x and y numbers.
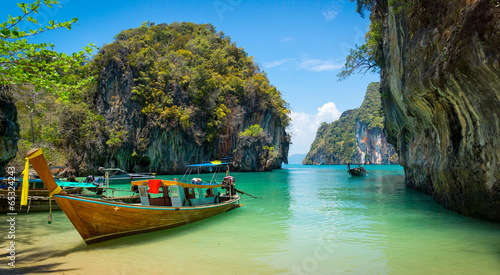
pixel 214 167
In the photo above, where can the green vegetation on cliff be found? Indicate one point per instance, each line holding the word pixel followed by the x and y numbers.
pixel 335 142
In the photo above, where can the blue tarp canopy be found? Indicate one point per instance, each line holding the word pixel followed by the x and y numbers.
pixel 75 184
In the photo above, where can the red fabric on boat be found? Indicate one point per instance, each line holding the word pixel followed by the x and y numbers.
pixel 154 186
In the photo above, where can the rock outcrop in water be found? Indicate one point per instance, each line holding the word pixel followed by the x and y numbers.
pixel 357 136
pixel 178 94
pixel 9 131
pixel 441 97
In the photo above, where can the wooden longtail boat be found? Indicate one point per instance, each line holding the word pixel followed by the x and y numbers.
pixel 98 220
pixel 357 172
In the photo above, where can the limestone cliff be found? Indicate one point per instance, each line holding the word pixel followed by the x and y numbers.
pixel 178 94
pixel 371 146
pixel 441 90
pixel 9 131
pixel 357 137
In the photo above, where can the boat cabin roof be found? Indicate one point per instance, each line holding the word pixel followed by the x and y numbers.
pixel 179 183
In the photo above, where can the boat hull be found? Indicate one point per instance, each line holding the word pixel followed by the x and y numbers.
pixel 98 220
pixel 356 173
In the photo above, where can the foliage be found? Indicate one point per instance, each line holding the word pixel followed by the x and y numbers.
pixel 55 156
pixel 269 154
pixel 369 112
pixel 30 102
pixel 252 131
pixel 335 142
pixel 359 60
pixel 368 57
pixel 116 138
pixel 59 126
pixel 22 62
pixel 362 5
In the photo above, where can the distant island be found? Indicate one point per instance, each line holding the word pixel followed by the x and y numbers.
pixel 296 158
pixel 357 137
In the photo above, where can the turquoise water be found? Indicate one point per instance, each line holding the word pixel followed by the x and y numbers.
pixel 307 220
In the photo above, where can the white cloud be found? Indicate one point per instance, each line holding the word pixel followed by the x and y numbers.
pixel 318 65
pixel 304 126
pixel 330 14
pixel 327 113
pixel 276 63
pixel 287 39
pixel 308 64
pixel 331 11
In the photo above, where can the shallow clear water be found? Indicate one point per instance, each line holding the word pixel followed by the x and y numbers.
pixel 308 220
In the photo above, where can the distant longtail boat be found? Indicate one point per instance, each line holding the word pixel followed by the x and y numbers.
pixel 356 172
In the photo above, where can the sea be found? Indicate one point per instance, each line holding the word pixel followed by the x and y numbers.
pixel 305 220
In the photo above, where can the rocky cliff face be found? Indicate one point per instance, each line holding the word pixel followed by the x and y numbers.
pixel 357 137
pixel 9 131
pixel 371 146
pixel 441 90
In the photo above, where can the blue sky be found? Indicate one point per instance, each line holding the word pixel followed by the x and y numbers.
pixel 301 45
